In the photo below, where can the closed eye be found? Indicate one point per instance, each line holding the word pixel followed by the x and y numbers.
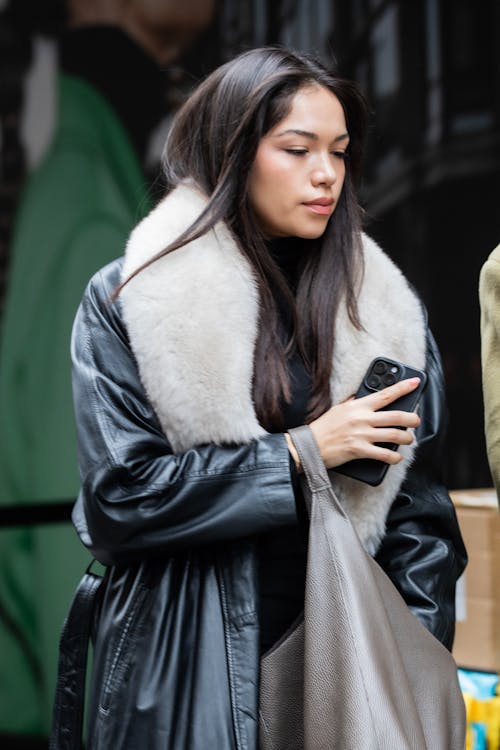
pixel 340 154
pixel 296 151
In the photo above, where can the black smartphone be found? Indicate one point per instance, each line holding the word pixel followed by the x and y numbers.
pixel 382 373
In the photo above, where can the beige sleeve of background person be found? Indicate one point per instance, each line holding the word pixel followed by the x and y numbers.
pixel 489 298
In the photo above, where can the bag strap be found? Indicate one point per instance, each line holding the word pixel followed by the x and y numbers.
pixel 67 719
pixel 310 458
pixel 315 477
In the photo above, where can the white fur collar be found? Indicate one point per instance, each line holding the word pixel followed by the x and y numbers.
pixel 192 320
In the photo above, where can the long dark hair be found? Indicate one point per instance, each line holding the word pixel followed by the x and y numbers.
pixel 213 141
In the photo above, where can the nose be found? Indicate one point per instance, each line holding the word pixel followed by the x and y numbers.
pixel 324 172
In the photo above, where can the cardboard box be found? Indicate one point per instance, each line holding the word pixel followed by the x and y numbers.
pixel 477 638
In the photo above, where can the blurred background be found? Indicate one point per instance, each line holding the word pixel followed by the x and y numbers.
pixel 87 91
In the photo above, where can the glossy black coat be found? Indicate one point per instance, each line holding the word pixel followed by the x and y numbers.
pixel 177 643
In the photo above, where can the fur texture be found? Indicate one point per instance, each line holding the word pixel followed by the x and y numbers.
pixel 192 320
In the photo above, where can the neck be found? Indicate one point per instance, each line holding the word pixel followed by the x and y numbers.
pixel 290 253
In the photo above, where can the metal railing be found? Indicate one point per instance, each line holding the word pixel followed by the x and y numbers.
pixel 36 513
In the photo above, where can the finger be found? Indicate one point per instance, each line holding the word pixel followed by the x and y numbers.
pixel 387 395
pixel 391 435
pixel 395 419
pixel 384 454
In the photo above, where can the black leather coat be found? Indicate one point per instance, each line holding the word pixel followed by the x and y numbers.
pixel 176 650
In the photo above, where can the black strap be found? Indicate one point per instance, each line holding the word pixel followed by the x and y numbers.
pixel 67 720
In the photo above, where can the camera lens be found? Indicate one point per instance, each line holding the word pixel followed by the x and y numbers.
pixel 373 381
pixel 389 379
pixel 379 367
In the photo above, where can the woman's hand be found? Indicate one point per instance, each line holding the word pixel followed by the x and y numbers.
pixel 351 429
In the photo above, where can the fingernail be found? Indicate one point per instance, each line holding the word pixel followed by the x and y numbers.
pixel 414 381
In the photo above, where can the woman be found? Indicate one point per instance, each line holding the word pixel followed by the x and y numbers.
pixel 248 302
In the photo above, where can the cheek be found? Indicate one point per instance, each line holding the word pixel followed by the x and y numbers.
pixel 263 184
pixel 270 170
pixel 268 174
pixel 341 176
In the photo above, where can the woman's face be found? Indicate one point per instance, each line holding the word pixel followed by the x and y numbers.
pixel 298 173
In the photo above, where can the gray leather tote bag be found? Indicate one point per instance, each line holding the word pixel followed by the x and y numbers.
pixel 359 672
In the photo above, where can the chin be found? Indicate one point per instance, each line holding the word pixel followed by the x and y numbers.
pixel 304 232
pixel 310 233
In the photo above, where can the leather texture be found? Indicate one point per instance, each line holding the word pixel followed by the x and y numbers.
pixel 360 672
pixel 176 656
pixel 67 722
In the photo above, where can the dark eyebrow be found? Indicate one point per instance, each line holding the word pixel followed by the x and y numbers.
pixel 312 136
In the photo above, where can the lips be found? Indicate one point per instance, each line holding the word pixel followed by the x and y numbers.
pixel 320 202
pixel 321 206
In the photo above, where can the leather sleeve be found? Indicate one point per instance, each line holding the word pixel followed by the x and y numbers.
pixel 423 552
pixel 139 499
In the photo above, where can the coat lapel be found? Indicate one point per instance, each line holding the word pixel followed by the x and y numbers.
pixel 192 319
pixel 393 326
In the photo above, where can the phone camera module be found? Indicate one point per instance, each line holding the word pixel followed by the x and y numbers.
pixel 373 381
pixel 389 379
pixel 380 367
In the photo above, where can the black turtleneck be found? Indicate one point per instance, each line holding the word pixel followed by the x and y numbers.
pixel 283 554
pixel 288 252
pixel 122 72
